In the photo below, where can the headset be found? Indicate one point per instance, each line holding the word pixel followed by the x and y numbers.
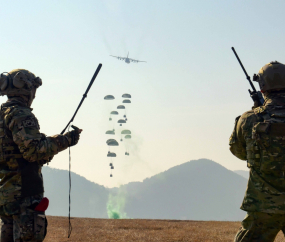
pixel 19 81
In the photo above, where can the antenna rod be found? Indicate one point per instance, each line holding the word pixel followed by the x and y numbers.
pixel 84 96
pixel 247 76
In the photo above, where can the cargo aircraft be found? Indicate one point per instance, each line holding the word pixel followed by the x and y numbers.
pixel 127 59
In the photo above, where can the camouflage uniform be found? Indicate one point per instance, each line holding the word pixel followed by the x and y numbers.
pixel 23 152
pixel 259 138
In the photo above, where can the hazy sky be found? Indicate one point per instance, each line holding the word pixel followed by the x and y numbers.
pixel 184 99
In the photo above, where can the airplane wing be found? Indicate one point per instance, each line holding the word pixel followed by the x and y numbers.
pixel 119 57
pixel 136 61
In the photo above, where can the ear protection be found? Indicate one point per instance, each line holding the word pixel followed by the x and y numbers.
pixel 19 81
pixel 4 81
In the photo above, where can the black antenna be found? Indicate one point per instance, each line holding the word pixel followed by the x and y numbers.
pixel 84 96
pixel 247 76
pixel 71 120
pixel 256 96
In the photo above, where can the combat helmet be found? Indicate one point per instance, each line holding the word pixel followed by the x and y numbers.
pixel 271 77
pixel 19 82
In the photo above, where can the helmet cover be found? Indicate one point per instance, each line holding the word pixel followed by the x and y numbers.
pixel 271 77
pixel 19 82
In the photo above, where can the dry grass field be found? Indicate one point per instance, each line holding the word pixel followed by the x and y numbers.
pixel 108 230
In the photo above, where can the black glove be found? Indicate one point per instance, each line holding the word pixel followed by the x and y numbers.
pixel 73 136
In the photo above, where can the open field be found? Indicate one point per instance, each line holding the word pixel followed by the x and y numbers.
pixel 107 230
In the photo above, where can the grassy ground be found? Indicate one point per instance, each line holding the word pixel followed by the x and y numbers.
pixel 128 230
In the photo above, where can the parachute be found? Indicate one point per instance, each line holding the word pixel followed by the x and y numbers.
pixel 121 121
pixel 112 142
pixel 126 131
pixel 113 113
pixel 126 95
pixel 109 97
pixel 111 155
pixel 126 101
pixel 110 132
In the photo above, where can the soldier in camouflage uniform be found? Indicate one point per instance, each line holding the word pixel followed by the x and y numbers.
pixel 23 152
pixel 259 138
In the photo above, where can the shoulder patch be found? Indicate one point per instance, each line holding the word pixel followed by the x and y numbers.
pixel 31 122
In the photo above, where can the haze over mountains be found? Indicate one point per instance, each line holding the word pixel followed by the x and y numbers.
pixel 196 190
pixel 242 173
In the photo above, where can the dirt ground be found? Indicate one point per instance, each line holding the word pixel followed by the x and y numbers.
pixel 128 230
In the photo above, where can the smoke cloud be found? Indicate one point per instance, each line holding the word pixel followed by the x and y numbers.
pixel 116 205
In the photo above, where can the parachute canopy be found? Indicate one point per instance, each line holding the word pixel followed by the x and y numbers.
pixel 128 136
pixel 126 101
pixel 126 131
pixel 114 113
pixel 110 132
pixel 109 97
pixel 121 107
pixel 111 154
pixel 121 121
pixel 126 95
pixel 112 142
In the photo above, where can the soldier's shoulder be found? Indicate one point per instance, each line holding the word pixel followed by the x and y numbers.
pixel 17 110
pixel 248 115
pixel 15 114
pixel 247 119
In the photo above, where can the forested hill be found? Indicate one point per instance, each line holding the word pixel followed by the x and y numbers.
pixel 196 190
pixel 88 199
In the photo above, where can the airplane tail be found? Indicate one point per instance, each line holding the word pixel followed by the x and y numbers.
pixel 128 54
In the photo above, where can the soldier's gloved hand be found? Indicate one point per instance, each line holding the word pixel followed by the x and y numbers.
pixel 73 136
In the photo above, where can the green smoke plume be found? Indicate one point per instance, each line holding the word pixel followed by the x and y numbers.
pixel 116 205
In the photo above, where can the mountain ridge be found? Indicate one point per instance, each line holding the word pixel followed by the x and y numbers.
pixel 196 190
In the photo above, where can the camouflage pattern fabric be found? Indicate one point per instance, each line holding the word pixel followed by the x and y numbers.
pixel 27 224
pixel 21 126
pixel 258 226
pixel 259 139
pixel 265 155
pixel 24 127
pixel 23 151
pixel 271 76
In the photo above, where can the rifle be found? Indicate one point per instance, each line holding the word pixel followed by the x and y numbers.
pixel 256 96
pixel 84 96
